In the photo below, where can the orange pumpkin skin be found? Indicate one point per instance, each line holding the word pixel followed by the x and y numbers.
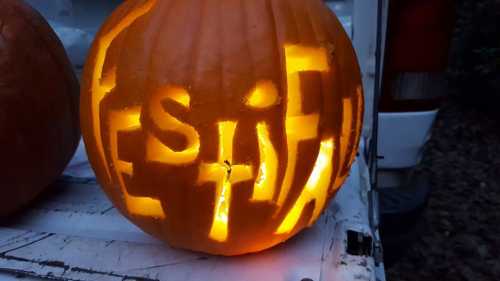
pixel 222 126
pixel 39 128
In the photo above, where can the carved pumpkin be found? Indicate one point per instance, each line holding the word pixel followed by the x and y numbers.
pixel 39 128
pixel 222 126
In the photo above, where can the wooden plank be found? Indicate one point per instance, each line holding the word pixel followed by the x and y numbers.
pixel 77 258
pixel 74 197
pixel 110 226
pixel 64 242
pixel 12 238
pixel 19 276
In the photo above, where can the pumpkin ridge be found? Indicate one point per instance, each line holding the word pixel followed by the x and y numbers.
pixel 305 30
pixel 325 20
pixel 321 26
pixel 285 34
pixel 119 45
pixel 196 48
pixel 191 72
pixel 244 19
pixel 271 8
pixel 156 30
pixel 281 88
pixel 220 52
pixel 317 27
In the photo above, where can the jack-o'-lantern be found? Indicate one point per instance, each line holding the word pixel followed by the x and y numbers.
pixel 222 126
pixel 39 128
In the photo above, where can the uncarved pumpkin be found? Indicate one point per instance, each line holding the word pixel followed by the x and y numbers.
pixel 222 126
pixel 39 128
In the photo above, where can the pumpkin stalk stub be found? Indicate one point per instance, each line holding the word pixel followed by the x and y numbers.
pixel 214 141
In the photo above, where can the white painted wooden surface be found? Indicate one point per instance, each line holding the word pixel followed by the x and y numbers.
pixel 74 233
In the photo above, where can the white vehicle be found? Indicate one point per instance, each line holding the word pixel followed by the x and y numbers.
pixel 76 234
pixel 418 41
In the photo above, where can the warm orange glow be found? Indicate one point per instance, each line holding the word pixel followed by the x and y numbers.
pixel 316 189
pixel 179 95
pixel 303 127
pixel 265 184
pixel 122 121
pixel 101 87
pixel 264 95
pixel 299 127
pixel 300 59
pixel 156 151
pixel 348 128
pixel 224 174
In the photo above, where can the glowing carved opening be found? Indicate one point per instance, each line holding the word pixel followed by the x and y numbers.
pixel 156 151
pixel 299 127
pixel 100 88
pixel 266 179
pixel 122 121
pixel 178 95
pixel 350 130
pixel 263 95
pixel 347 128
pixel 224 174
pixel 316 189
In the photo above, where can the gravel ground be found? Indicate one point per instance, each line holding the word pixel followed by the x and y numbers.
pixel 459 239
